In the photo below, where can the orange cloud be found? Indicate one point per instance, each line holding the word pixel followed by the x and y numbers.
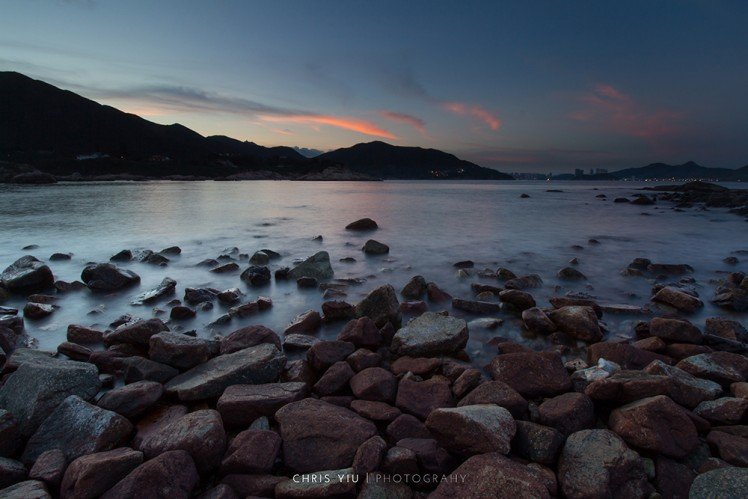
pixel 478 112
pixel 408 119
pixel 607 106
pixel 356 125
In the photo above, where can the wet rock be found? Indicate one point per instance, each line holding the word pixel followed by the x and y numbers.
pixel 194 296
pixel 656 424
pixel 381 306
pixel 259 258
pixel 239 405
pixel 431 334
pixel 35 389
pixel 725 328
pixel 578 322
pixel 74 351
pixel 414 289
pixel 374 384
pixel 132 400
pixel 679 330
pixel 166 288
pixel 532 374
pixel 258 364
pixel 732 448
pixel 318 435
pixel 363 358
pixel 628 386
pixel 684 388
pixel 570 274
pixel 334 379
pixel 139 368
pixel 325 353
pixel 373 247
pixel 256 276
pixel 678 299
pixel 108 277
pixel 379 412
pixel 29 489
pixel 723 411
pixel 248 337
pixel 252 451
pixel 171 474
pixel 230 296
pixel 136 333
pixel 598 464
pixel 178 350
pixel 37 310
pixel 472 429
pixel 306 282
pixel 10 437
pixel 90 476
pixel 721 367
pixel 362 224
pixel 421 397
pixel 476 307
pixel 524 282
pixel 220 491
pixel 519 300
pixel 316 266
pixel 536 320
pixel 299 342
pixel 305 323
pixel 26 275
pixel 11 472
pixel 724 482
pixel 49 468
pixel 568 413
pixel 199 433
pixel 625 355
pixel 467 381
pixel 336 310
pixel 436 294
pixel 537 443
pixel 499 393
pixel 77 428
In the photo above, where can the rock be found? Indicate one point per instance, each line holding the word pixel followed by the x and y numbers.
pixel 178 350
pixel 335 310
pixel 532 374
pixel 305 323
pixel 253 485
pixel 329 483
pixel 725 410
pixel 108 277
pixel 259 258
pixel 578 322
pixel 171 474
pixel 334 379
pixel 414 289
pixel 627 386
pixel 731 448
pixel 306 282
pixel 656 424
pixel 230 296
pixel 37 310
pixel 35 389
pixel 362 224
pixel 369 455
pixel 436 294
pixel 252 451
pixel 248 337
pixel 220 491
pixel 499 393
pixel 11 472
pixel 74 351
pixel 325 353
pixel 318 435
pixel 256 276
pixel 316 266
pixel 194 296
pixel 570 274
pixel 375 384
pixel 537 443
pixel 625 355
pixel 597 464
pixel 381 306
pixel 199 433
pixel 679 330
pixel 84 335
pixel 90 476
pixel 361 332
pixel 27 275
pixel 77 428
pixel 472 429
pixel 241 404
pixel 721 367
pixel 684 388
pixel 467 381
pixel 136 333
pixel 373 247
pixel 49 468
pixel 139 368
pixel 476 307
pixel 255 365
pixel 643 200
pixel 181 313
pixel 363 358
pixel 678 299
pixel 568 413
pixel 537 321
pixel 725 483
pixel 132 400
pixel 430 334
pixel 524 282
pixel 421 366
pixel 155 420
pixel 375 411
pixel 30 489
pixel 725 328
pixel 166 288
pixel 518 299
pixel 421 397
pixel 492 475
pixel 10 438
pixel 299 342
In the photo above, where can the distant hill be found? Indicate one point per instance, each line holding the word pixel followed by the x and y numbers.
pixel 384 160
pixel 688 170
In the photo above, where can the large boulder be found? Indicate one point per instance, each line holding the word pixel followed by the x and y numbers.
pixel 170 475
pixel 722 483
pixel 492 475
pixel 685 388
pixel 136 333
pixel 568 412
pixel 27 275
pixel 34 390
pixel 656 424
pixel 532 374
pixel 90 476
pixel 132 400
pixel 430 335
pixel 200 433
pixel 77 428
pixel 262 363
pixel 178 350
pixel 316 266
pixel 381 306
pixel 677 330
pixel 241 404
pixel 678 299
pixel 597 464
pixel 321 436
pixel 473 429
pixel 108 277
pixel 578 322
pixel 721 367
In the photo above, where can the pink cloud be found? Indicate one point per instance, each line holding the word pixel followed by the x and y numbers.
pixel 609 107
pixel 353 124
pixel 477 112
pixel 408 119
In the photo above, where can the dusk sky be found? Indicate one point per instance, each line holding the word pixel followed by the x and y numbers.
pixel 518 86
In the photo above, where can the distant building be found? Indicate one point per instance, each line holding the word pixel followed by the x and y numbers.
pixel 600 171
pixel 578 172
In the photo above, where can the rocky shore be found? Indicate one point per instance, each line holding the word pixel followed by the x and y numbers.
pixel 392 406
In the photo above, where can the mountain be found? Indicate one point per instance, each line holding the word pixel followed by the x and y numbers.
pixel 690 170
pixel 384 160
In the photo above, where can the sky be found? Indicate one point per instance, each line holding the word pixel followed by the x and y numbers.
pixel 542 86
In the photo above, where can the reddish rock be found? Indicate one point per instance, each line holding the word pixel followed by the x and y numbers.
pixel 305 323
pixel 320 436
pixel 465 382
pixel 725 410
pixel 132 400
pixel 413 307
pixel 171 474
pixel 421 397
pixel 414 289
pixel 625 355
pixel 362 332
pixel 680 351
pixel 137 333
pixel 577 322
pixel 325 353
pixel 420 366
pixel 672 479
pixel 83 334
pixel 220 491
pixel 517 299
pixel 248 337
pixel 537 321
pixel 721 367
pixel 537 443
pixel 335 379
pixel 369 455
pixel 375 384
pixel 436 294
pixel 10 437
pixel 90 476
pixel 656 424
pixel 532 374
pixel 251 451
pixel 375 411
pixel 363 358
pixel 139 368
pixel 627 386
pixel 178 350
pixel 731 448
pixel 253 485
pixel 156 419
pixel 336 310
pixel 407 426
pixel 678 330
pixel 472 429
pixel 49 468
pixel 684 388
pixel 400 461
pixel 432 458
pixel 568 301
pixel 299 371
pixel 568 413
pixel 651 344
pixel 678 299
pixel 499 393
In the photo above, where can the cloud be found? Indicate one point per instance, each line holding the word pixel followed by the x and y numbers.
pixel 478 112
pixel 408 119
pixel 609 107
pixel 346 123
